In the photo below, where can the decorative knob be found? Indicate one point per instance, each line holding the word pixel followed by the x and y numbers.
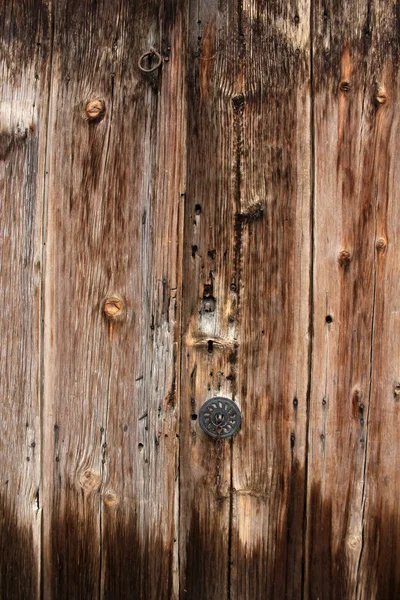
pixel 220 417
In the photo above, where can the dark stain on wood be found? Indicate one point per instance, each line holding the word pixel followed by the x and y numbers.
pixel 19 577
pixel 202 578
pixel 143 567
pixel 74 541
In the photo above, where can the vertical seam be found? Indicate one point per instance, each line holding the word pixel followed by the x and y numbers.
pixel 52 9
pixel 304 592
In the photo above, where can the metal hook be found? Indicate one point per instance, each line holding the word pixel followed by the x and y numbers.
pixel 151 52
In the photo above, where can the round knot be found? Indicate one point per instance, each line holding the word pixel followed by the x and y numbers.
pixel 89 480
pixel 344 259
pixel 381 244
pixel 110 499
pixel 95 110
pixel 113 308
pixel 381 96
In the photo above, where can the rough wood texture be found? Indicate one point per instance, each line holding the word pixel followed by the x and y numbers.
pixel 25 47
pixel 246 318
pixel 379 573
pixel 110 302
pixel 353 407
pixel 226 225
pixel 209 302
pixel 272 236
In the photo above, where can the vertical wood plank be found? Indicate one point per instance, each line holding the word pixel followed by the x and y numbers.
pixel 76 345
pixel 111 332
pixel 142 188
pixel 378 575
pixel 272 238
pixel 209 299
pixel 353 166
pixel 25 41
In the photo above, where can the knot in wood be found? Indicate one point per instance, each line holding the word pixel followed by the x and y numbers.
pixel 381 244
pixel 238 101
pixel 344 259
pixel 89 480
pixel 113 308
pixel 95 110
pixel 110 499
pixel 381 96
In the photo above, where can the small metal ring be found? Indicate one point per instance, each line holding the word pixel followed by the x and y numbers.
pixel 151 52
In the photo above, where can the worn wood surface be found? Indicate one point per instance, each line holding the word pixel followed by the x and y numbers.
pixel 209 300
pixel 272 224
pixel 226 225
pixel 25 53
pixel 353 402
pixel 111 338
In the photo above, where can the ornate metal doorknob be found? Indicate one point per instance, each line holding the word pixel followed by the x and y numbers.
pixel 220 417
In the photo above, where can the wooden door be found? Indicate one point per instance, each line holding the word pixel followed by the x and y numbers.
pixel 225 224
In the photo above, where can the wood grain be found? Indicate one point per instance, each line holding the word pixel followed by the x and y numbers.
pixel 225 225
pixel 209 297
pixel 353 166
pixel 111 315
pixel 25 42
pixel 379 574
pixel 272 233
pixel 140 499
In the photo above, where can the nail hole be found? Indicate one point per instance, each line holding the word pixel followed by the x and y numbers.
pixel 140 446
pixel 194 250
pixel 328 319
pixel 194 417
pixel 344 87
pixel 210 346
pixel 197 209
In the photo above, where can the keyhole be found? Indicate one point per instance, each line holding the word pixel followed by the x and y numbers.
pixel 219 418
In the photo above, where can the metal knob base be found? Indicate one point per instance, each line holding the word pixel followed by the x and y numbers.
pixel 220 417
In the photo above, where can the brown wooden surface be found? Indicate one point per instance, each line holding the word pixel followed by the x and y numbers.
pixel 110 383
pixel 209 302
pixel 273 247
pixel 25 51
pixel 353 412
pixel 227 225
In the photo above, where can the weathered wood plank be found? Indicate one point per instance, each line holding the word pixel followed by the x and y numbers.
pixel 272 237
pixel 111 279
pixel 25 42
pixel 209 299
pixel 142 189
pixel 379 572
pixel 352 169
pixel 76 345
